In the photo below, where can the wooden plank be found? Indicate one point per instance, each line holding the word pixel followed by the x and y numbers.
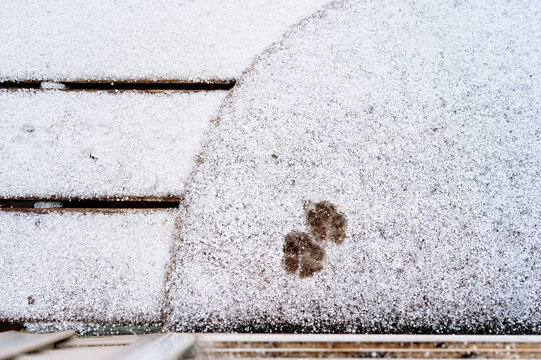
pixel 159 347
pixel 367 346
pixel 192 41
pixel 403 348
pixel 408 347
pixel 384 338
pixel 80 145
pixel 153 346
pixel 271 353
pixel 115 340
pixel 169 346
pixel 100 266
pixel 13 343
pixel 83 353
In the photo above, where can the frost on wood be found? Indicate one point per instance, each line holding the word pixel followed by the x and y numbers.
pixel 99 144
pixel 91 267
pixel 151 39
pixel 420 122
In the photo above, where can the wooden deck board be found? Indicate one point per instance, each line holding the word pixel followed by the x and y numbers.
pixel 85 353
pixel 13 343
pixel 274 346
pixel 98 265
pixel 348 338
pixel 81 145
pixel 293 346
pixel 153 346
pixel 90 341
pixel 152 40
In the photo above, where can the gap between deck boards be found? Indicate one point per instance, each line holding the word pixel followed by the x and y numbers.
pixel 27 204
pixel 62 204
pixel 122 85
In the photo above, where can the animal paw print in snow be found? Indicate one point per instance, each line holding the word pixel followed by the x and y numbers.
pixel 325 223
pixel 303 253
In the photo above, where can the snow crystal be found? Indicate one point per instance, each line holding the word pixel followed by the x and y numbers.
pixel 69 266
pixel 100 144
pixel 127 40
pixel 52 85
pixel 419 122
pixel 47 204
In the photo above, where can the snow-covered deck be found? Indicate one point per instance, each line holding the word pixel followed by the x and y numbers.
pixel 70 140
pixel 406 133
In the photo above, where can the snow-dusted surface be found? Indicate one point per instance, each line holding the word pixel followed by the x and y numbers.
pixel 100 144
pixel 421 122
pixel 188 40
pixel 76 266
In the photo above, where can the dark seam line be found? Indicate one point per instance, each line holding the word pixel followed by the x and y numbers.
pixel 123 85
pixel 93 204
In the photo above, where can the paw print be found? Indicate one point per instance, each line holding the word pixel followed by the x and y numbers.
pixel 325 223
pixel 303 253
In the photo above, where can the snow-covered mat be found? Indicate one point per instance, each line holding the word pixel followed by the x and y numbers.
pixel 128 40
pixel 100 144
pixel 105 267
pixel 378 170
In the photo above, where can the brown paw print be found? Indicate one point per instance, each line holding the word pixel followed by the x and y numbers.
pixel 325 223
pixel 303 253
